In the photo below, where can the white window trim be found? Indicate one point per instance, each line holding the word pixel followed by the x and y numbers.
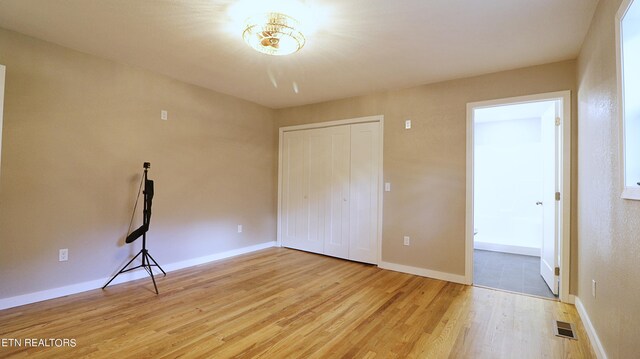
pixel 632 193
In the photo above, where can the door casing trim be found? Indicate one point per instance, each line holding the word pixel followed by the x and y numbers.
pixel 564 245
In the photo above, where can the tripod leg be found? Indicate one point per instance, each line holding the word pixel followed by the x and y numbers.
pixel 148 267
pixel 122 269
pixel 156 263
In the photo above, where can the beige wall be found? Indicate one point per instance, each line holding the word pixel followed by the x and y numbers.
pixel 78 127
pixel 608 226
pixel 427 164
pixel 76 131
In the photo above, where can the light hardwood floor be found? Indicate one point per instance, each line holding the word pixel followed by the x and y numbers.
pixel 281 303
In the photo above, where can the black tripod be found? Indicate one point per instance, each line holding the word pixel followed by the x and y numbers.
pixel 147 259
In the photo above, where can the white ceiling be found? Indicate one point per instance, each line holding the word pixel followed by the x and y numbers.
pixel 368 45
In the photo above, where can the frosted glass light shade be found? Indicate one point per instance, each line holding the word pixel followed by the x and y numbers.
pixel 273 33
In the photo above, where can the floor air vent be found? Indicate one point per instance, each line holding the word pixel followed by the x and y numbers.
pixel 564 330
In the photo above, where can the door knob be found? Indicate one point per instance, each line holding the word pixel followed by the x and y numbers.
pixel 538 203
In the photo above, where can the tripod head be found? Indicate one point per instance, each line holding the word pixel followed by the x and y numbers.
pixel 146 165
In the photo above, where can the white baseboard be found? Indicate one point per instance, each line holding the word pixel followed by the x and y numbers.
pixel 505 248
pixel 423 272
pixel 591 331
pixel 124 277
pixel 217 256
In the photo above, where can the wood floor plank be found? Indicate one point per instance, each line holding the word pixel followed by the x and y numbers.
pixel 282 303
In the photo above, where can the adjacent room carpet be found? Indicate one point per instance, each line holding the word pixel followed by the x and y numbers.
pixel 512 272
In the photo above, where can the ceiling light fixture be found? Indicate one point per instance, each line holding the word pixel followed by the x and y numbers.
pixel 273 33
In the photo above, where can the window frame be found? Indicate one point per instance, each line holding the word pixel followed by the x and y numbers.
pixel 632 191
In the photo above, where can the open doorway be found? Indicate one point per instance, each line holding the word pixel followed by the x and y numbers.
pixel 518 161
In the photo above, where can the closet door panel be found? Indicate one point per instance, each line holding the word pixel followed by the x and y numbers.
pixel 317 190
pixel 337 224
pixel 364 185
pixel 294 209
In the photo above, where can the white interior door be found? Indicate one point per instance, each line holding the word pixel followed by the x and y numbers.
pixel 330 190
pixel 316 193
pixel 550 206
pixel 295 210
pixel 337 210
pixel 315 205
pixel 365 167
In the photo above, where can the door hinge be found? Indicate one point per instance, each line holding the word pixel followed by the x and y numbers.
pixel 558 121
pixel 557 272
pixel 557 196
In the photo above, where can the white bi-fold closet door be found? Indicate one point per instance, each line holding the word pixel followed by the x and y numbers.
pixel 330 190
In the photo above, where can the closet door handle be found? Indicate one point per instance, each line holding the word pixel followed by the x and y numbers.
pixel 538 203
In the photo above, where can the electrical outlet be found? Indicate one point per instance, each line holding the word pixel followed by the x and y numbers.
pixel 387 187
pixel 593 288
pixel 63 255
pixel 407 240
pixel 164 115
pixel 407 124
pixel 239 228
